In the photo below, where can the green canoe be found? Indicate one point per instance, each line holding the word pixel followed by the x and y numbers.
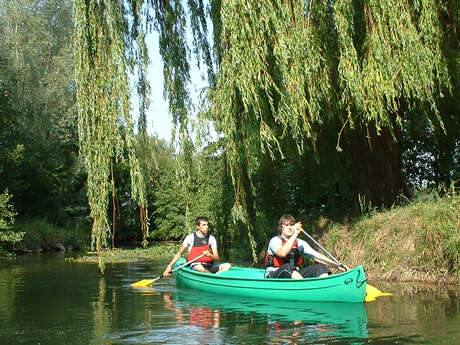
pixel 250 282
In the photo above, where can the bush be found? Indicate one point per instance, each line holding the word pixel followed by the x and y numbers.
pixel 40 234
pixel 8 235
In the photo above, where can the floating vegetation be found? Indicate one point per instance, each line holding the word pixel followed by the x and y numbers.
pixel 129 255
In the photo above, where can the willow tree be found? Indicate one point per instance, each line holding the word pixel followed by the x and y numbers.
pixel 109 47
pixel 288 67
pixel 280 71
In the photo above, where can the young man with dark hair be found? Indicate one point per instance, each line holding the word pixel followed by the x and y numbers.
pixel 198 243
pixel 284 260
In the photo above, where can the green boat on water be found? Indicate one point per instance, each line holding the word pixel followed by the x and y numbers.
pixel 251 282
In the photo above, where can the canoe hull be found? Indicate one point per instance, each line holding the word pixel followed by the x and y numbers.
pixel 249 282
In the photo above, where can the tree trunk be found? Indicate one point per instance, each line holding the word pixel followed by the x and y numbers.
pixel 376 165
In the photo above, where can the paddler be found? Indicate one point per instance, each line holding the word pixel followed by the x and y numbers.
pixel 284 259
pixel 198 243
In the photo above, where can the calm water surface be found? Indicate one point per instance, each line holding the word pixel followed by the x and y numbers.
pixel 45 299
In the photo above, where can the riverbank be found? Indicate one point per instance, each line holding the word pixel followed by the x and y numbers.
pixel 417 242
pixel 39 235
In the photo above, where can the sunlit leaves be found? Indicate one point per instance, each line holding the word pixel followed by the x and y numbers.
pixel 280 72
pixel 7 214
pixel 398 62
pixel 287 67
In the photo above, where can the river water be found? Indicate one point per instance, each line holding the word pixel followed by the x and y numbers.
pixel 45 299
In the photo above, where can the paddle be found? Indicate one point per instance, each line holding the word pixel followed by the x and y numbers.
pixel 147 282
pixel 371 292
pixel 319 245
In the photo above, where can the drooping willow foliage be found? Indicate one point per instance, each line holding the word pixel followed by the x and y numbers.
pixel 397 58
pixel 109 47
pixel 284 62
pixel 279 71
pixel 103 60
pixel 289 66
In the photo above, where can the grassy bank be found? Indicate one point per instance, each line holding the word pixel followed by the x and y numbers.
pixel 419 241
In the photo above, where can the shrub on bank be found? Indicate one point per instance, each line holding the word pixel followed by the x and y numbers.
pixel 41 235
pixel 8 235
pixel 157 250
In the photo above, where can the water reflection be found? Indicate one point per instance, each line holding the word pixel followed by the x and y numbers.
pixel 45 299
pixel 271 322
pixel 198 316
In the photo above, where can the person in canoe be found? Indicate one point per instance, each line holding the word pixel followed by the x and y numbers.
pixel 284 260
pixel 200 243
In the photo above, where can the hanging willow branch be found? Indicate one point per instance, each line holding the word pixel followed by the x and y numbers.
pixel 398 58
pixel 109 42
pixel 102 63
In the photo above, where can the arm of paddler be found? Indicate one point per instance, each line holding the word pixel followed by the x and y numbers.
pixel 286 247
pixel 176 257
pixel 320 258
pixel 213 254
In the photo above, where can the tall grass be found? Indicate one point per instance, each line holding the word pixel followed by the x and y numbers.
pixel 419 241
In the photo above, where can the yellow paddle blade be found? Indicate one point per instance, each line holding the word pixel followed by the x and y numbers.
pixel 143 283
pixel 372 293
pixel 145 291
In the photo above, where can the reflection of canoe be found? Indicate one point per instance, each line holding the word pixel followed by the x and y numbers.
pixel 344 319
pixel 250 282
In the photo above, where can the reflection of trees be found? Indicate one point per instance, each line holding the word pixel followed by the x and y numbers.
pixel 101 313
pixel 45 299
pixel 111 311
pixel 11 279
pixel 415 315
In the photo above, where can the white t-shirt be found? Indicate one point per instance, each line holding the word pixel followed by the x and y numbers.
pixel 188 241
pixel 276 243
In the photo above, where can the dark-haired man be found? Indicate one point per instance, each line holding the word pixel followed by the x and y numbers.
pixel 198 243
pixel 284 259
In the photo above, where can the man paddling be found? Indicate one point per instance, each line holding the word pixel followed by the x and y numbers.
pixel 284 260
pixel 198 243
